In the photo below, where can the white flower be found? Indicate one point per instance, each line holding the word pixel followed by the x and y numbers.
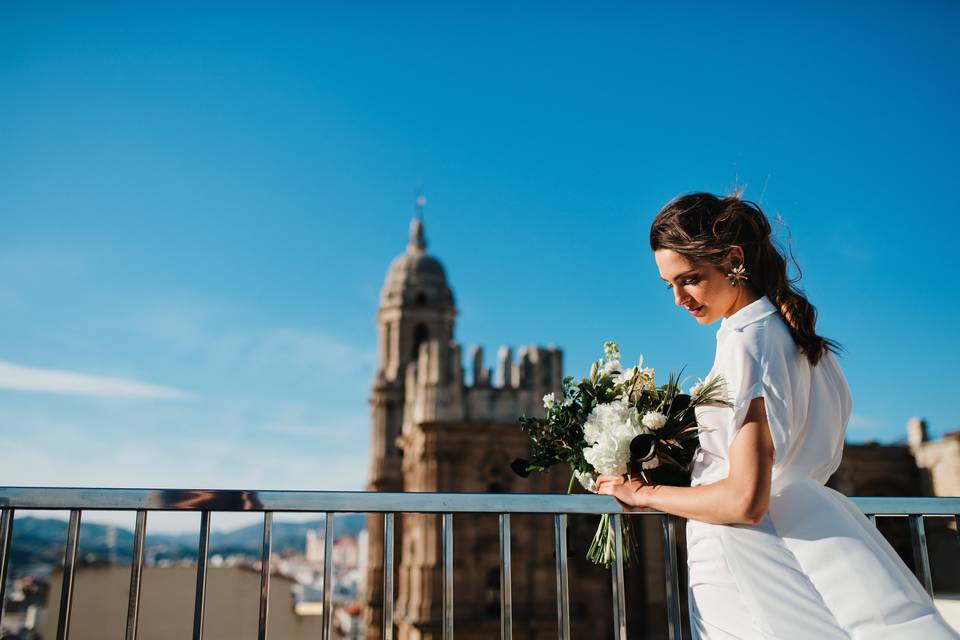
pixel 654 420
pixel 624 376
pixel 611 357
pixel 586 480
pixel 549 401
pixel 567 402
pixel 609 429
pixel 611 366
pixel 611 350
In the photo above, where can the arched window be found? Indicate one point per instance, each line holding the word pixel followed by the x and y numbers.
pixel 420 335
pixel 421 299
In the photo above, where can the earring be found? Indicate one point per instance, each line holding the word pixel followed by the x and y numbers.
pixel 737 275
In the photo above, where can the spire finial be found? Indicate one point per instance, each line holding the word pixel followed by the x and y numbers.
pixel 420 203
pixel 418 241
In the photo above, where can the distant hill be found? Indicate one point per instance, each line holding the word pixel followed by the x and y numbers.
pixel 41 541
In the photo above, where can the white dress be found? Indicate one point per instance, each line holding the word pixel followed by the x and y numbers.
pixel 815 566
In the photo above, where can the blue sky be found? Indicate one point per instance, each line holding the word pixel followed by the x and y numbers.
pixel 200 203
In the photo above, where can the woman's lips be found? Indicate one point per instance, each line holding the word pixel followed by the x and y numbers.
pixel 695 310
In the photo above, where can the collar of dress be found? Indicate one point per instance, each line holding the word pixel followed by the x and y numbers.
pixel 753 312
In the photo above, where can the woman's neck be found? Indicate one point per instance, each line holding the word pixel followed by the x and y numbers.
pixel 745 297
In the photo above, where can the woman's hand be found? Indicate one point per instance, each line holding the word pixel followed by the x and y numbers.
pixel 629 492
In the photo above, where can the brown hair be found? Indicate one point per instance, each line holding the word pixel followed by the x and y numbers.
pixel 703 227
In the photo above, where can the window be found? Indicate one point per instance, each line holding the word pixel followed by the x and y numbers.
pixel 420 335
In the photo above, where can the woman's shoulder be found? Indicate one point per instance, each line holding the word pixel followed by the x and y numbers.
pixel 759 339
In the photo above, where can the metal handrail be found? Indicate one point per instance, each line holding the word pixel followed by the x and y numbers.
pixel 204 501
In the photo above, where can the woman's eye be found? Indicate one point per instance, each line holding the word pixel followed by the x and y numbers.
pixel 686 282
pixel 693 280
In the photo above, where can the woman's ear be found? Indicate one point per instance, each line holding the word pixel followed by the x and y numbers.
pixel 735 256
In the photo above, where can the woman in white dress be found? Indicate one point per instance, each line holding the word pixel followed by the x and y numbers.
pixel 771 551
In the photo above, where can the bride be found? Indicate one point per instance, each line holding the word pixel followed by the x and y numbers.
pixel 771 551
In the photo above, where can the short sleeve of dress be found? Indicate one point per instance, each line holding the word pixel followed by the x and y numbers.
pixel 757 369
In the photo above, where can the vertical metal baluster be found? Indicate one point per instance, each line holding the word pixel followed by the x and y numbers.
pixel 6 531
pixel 448 576
pixel 506 580
pixel 69 566
pixel 673 585
pixel 328 576
pixel 388 576
pixel 563 594
pixel 619 602
pixel 136 575
pixel 918 539
pixel 201 590
pixel 266 553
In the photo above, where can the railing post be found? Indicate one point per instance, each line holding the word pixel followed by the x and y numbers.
pixel 388 576
pixel 266 552
pixel 6 534
pixel 619 606
pixel 563 594
pixel 506 587
pixel 201 589
pixel 918 539
pixel 328 575
pixel 69 567
pixel 674 620
pixel 448 576
pixel 136 576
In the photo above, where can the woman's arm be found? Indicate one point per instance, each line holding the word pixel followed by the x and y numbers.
pixel 741 498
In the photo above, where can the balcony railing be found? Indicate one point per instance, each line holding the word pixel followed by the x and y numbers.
pixel 205 502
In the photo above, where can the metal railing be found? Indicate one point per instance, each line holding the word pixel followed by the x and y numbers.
pixel 76 501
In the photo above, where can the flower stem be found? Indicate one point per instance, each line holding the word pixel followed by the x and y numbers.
pixel 569 491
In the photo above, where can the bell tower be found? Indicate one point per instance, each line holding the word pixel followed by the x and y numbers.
pixel 416 306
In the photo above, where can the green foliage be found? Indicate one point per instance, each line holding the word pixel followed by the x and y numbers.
pixel 558 438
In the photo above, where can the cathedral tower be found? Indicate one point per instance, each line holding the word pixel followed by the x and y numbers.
pixel 416 306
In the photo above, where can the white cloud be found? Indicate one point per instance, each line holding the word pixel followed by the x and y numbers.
pixel 19 377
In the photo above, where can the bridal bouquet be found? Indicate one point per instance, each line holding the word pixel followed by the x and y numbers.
pixel 618 421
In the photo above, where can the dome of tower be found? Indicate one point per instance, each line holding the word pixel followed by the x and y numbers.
pixel 415 278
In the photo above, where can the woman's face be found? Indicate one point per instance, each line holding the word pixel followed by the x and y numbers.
pixel 704 290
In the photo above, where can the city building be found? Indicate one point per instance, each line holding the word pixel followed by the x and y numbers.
pixel 231 611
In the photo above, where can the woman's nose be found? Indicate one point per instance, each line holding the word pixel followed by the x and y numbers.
pixel 678 296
